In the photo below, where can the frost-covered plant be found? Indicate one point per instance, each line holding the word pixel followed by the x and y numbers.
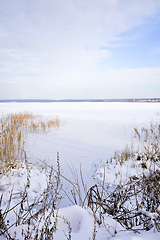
pixel 35 219
pixel 134 205
pixel 135 201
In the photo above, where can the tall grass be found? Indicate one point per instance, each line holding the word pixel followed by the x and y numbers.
pixel 13 132
pixel 135 203
pixel 37 218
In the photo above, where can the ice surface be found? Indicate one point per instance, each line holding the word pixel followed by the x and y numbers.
pixel 88 133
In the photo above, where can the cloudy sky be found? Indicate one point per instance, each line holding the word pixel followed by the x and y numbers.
pixel 60 49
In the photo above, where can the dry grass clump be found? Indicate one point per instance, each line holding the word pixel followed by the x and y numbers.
pixel 123 156
pixel 13 129
pixel 149 154
pixel 37 219
pixel 148 151
pixel 135 205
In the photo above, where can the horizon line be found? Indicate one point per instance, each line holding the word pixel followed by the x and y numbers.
pixel 83 100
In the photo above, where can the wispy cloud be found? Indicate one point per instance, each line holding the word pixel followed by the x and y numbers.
pixel 56 40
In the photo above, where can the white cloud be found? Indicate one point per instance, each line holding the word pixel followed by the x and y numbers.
pixel 48 25
pixel 60 41
pixel 126 83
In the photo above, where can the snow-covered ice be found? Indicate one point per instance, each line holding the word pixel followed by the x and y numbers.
pixel 89 133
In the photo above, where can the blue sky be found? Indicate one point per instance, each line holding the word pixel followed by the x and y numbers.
pixel 62 49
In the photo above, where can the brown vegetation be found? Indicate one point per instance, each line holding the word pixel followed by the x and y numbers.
pixel 13 132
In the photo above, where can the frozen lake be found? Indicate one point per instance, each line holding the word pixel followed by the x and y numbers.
pixel 88 132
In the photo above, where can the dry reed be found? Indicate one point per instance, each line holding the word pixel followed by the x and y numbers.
pixel 13 132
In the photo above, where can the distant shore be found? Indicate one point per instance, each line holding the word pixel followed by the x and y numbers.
pixel 82 100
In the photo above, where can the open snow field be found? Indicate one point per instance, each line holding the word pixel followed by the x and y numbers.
pixel 88 134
